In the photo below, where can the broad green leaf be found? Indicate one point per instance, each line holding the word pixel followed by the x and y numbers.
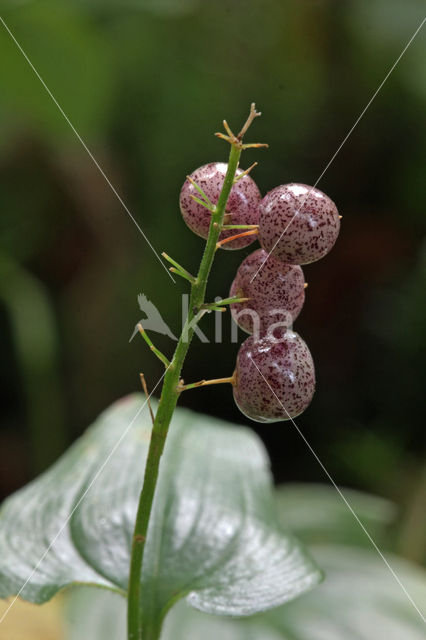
pixel 358 600
pixel 213 536
pixel 94 614
pixel 101 615
pixel 316 513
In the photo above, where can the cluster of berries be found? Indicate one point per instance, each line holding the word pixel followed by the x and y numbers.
pixel 295 224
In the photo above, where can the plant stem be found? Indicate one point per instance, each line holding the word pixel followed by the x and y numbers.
pixel 204 383
pixel 240 226
pixel 153 348
pixel 138 623
pixel 223 301
pixel 252 232
pixel 179 269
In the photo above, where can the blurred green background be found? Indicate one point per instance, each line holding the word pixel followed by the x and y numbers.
pixel 146 83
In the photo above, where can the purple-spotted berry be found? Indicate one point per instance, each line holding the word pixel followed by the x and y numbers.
pixel 242 206
pixel 298 223
pixel 274 379
pixel 276 292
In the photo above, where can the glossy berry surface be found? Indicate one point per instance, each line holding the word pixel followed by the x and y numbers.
pixel 242 206
pixel 298 223
pixel 276 291
pixel 288 368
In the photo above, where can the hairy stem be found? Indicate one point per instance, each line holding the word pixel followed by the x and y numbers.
pixel 139 620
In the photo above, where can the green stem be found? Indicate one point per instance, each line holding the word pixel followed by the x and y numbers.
pixel 204 383
pixel 202 194
pixel 220 303
pixel 153 348
pixel 179 269
pixel 139 624
pixel 190 279
pixel 240 226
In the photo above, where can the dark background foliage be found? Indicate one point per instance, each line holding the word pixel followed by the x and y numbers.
pixel 146 83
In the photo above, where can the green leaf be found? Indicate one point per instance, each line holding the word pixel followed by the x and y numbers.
pixel 99 615
pixel 316 513
pixel 213 536
pixel 94 614
pixel 358 600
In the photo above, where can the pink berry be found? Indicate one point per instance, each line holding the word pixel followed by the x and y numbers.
pixel 298 223
pixel 274 380
pixel 276 291
pixel 242 206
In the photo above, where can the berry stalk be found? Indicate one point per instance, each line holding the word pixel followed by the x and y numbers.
pixel 254 230
pixel 204 383
pixel 144 619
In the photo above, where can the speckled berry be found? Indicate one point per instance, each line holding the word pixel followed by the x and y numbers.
pixel 298 223
pixel 274 380
pixel 276 291
pixel 242 206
